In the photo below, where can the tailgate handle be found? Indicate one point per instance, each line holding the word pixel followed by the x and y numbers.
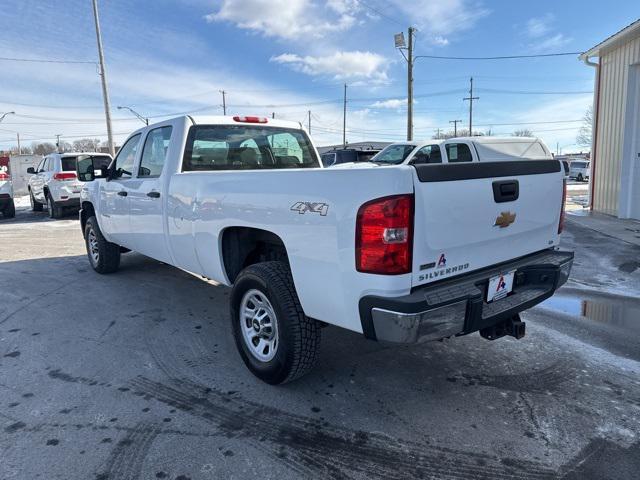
pixel 506 191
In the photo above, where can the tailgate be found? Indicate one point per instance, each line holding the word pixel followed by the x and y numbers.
pixel 473 215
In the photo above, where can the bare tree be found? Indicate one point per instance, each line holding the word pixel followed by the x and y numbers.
pixel 585 133
pixel 523 132
pixel 43 148
pixel 86 145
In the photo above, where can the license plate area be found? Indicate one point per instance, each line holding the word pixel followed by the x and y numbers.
pixel 500 286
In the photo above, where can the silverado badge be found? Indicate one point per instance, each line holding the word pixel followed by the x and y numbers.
pixel 505 219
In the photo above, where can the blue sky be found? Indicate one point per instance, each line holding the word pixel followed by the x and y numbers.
pixel 290 56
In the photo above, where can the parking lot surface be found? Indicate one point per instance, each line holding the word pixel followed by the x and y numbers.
pixel 135 375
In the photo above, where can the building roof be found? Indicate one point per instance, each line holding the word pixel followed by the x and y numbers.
pixel 627 33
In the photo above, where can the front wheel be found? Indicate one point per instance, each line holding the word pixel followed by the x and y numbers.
pixel 104 256
pixel 580 178
pixel 36 206
pixel 55 211
pixel 276 340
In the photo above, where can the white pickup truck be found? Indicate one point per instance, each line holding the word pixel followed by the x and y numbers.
pixel 401 254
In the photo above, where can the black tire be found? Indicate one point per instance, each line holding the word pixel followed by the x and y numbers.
pixel 10 210
pixel 580 178
pixel 55 211
pixel 298 335
pixel 36 206
pixel 106 257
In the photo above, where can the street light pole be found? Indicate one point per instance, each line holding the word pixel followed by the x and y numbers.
pixel 103 77
pixel 140 117
pixel 5 114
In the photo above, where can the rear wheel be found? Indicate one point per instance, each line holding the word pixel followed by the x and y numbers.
pixel 10 210
pixel 276 340
pixel 55 211
pixel 104 256
pixel 36 206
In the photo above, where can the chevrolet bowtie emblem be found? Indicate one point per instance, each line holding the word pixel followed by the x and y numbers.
pixel 505 219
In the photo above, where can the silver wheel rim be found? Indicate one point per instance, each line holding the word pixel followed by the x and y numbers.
pixel 92 242
pixel 259 325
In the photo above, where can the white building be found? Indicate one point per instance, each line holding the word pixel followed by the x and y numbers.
pixel 615 162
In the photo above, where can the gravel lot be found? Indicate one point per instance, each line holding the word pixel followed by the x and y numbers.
pixel 135 376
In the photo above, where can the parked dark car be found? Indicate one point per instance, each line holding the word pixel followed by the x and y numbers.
pixel 346 155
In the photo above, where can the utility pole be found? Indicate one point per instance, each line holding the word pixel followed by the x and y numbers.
pixel 224 102
pixel 455 126
pixel 58 142
pixel 103 77
pixel 410 85
pixel 471 98
pixel 19 150
pixel 344 119
pixel 309 112
pixel 438 133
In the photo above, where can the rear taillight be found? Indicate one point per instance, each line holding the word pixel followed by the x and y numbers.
pixel 250 119
pixel 64 176
pixel 384 235
pixel 564 200
pixel 4 176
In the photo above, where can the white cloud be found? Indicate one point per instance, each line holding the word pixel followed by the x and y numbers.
pixel 393 103
pixel 439 19
pixel 540 26
pixel 288 19
pixel 540 31
pixel 354 65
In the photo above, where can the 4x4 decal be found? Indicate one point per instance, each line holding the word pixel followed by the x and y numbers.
pixel 313 207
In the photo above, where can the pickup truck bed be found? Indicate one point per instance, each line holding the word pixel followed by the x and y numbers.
pixel 402 253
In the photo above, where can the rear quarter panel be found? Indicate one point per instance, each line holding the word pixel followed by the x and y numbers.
pixel 321 248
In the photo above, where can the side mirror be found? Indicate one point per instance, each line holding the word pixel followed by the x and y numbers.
pixel 31 170
pixel 87 171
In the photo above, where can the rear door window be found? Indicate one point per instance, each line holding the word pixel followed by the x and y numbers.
pixel 458 152
pixel 68 164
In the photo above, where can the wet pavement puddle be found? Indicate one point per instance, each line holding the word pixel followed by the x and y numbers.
pixel 613 312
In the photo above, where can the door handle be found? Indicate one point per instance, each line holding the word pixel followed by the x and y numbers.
pixel 153 194
pixel 122 193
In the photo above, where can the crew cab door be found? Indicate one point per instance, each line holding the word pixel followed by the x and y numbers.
pixel 114 195
pixel 146 199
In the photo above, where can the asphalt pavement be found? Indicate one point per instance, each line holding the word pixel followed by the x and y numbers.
pixel 135 375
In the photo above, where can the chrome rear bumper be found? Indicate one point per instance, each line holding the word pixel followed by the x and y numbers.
pixel 457 306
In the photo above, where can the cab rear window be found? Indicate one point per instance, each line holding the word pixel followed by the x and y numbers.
pixel 235 147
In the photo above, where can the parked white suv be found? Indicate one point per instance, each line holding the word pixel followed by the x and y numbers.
pixel 579 170
pixel 54 182
pixel 7 207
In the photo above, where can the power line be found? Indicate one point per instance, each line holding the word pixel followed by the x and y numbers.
pixel 42 60
pixel 505 57
pixel 378 12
